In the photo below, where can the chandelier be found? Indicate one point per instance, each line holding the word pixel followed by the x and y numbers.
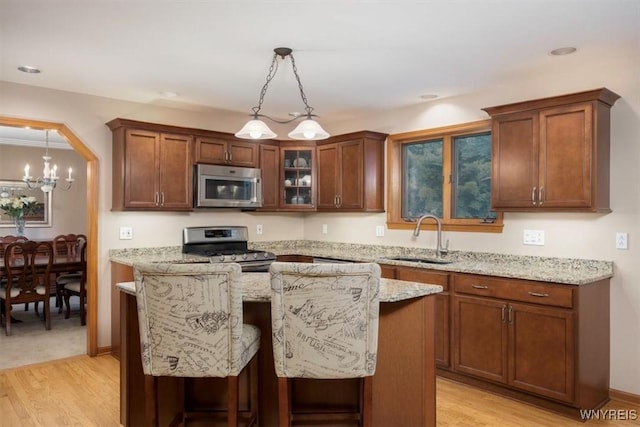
pixel 308 129
pixel 49 179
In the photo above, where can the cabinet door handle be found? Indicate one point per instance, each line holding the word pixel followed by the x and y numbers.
pixel 510 314
pixel 480 286
pixel 230 156
pixel 533 196
pixel 502 312
pixel 162 198
pixel 156 197
pixel 538 294
pixel 339 201
pixel 540 194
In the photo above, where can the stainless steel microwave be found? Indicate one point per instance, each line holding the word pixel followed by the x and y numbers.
pixel 227 187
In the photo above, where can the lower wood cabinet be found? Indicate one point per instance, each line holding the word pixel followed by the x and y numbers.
pixel 442 321
pixel 544 343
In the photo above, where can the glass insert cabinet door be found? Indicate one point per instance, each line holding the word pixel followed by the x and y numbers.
pixel 40 216
pixel 298 177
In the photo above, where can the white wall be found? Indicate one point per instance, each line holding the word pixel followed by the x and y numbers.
pixel 567 235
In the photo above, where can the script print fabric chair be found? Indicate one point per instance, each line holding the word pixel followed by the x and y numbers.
pixel 190 322
pixel 77 286
pixel 325 326
pixel 28 273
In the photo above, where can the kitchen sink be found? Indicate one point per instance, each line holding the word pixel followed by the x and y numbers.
pixel 422 260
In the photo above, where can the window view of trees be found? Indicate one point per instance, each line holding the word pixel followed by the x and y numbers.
pixel 472 177
pixel 445 172
pixel 422 189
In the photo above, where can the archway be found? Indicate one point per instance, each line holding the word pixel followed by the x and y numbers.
pixel 92 219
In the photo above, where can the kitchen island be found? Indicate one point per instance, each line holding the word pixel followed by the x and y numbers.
pixel 403 386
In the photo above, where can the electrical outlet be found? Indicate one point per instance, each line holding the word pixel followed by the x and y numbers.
pixel 126 233
pixel 259 229
pixel 533 237
pixel 622 240
pixel 379 230
pixel 325 228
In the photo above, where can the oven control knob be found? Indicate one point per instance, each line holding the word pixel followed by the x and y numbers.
pixel 244 256
pixel 221 258
pixel 233 257
pixel 265 255
pixel 255 255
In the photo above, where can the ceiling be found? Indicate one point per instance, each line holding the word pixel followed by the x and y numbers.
pixel 353 57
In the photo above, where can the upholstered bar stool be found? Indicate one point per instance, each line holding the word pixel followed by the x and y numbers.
pixel 325 326
pixel 190 320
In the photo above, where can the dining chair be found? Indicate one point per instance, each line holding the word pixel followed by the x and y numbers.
pixel 324 327
pixel 28 271
pixel 190 323
pixel 4 242
pixel 77 286
pixel 70 245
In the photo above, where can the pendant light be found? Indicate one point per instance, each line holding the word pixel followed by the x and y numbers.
pixel 308 129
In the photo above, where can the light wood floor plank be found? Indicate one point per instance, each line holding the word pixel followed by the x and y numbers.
pixel 84 391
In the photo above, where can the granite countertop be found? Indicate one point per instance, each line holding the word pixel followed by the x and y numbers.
pixel 256 287
pixel 569 271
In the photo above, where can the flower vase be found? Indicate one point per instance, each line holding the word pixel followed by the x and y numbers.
pixel 19 221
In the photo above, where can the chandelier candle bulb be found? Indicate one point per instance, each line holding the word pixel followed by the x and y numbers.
pixel 26 172
pixel 69 179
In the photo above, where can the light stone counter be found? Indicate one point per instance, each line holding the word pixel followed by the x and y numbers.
pixel 555 270
pixel 256 287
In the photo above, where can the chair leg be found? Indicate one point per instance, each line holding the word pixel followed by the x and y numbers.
pixel 232 402
pixel 83 314
pixel 151 400
pixel 67 296
pixel 47 313
pixel 367 402
pixel 284 402
pixel 7 317
pixel 253 395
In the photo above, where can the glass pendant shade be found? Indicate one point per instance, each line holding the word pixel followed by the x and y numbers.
pixel 309 130
pixel 255 129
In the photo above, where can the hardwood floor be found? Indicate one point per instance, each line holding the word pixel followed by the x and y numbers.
pixel 83 391
pixel 78 391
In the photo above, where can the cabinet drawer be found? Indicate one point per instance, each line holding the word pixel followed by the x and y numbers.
pixel 423 276
pixel 514 289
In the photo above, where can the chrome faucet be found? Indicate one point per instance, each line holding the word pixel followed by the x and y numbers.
pixel 439 249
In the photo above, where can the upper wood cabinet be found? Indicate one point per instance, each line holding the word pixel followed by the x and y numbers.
pixel 552 154
pixel 226 150
pixel 351 173
pixel 270 169
pixel 152 167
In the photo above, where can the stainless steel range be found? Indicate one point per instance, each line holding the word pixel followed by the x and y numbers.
pixel 225 244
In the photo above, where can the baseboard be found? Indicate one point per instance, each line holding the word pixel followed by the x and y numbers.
pixel 104 351
pixel 624 396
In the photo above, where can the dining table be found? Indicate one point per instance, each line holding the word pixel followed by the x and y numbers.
pixel 61 264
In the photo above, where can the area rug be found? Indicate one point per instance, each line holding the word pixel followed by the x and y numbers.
pixel 31 343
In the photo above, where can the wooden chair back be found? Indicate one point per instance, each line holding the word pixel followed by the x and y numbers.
pixel 7 240
pixel 68 244
pixel 28 272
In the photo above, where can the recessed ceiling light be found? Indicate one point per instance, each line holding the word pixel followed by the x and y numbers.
pixel 429 96
pixel 563 51
pixel 28 69
pixel 169 94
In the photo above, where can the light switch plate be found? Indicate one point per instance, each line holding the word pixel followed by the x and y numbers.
pixel 379 230
pixel 533 237
pixel 325 228
pixel 622 240
pixel 259 229
pixel 126 233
